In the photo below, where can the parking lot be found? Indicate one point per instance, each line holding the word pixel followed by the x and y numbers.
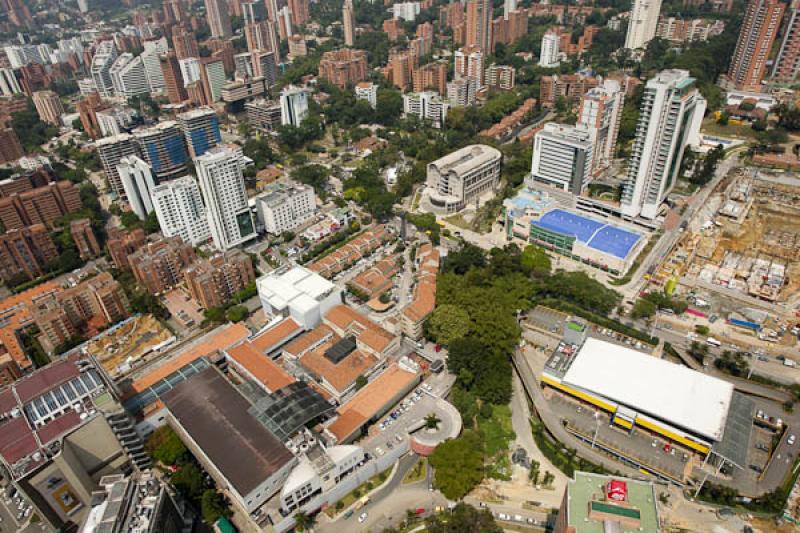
pixel 640 447
pixel 419 403
pixel 14 510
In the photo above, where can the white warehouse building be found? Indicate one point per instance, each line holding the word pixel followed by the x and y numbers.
pixel 299 293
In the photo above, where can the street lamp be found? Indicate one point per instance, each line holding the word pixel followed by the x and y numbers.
pixel 597 427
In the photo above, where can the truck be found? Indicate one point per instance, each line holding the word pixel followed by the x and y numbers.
pixel 789 363
pixel 713 342
pixel 362 502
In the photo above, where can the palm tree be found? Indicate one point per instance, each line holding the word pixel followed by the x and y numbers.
pixel 304 521
pixel 432 421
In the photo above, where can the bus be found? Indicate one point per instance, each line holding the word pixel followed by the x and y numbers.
pixel 713 342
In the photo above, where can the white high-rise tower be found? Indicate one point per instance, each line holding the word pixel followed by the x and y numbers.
pixel 220 173
pixel 180 211
pixel 642 23
pixel 669 120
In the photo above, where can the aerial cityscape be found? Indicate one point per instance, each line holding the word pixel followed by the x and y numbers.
pixel 442 266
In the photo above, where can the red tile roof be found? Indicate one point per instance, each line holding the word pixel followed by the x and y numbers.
pixel 16 440
pixel 259 366
pixel 55 428
pixel 277 335
pixel 46 378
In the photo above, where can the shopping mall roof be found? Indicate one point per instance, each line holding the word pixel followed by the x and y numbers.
pixel 685 398
pixel 216 418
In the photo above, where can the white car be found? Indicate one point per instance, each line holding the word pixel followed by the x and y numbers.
pixel 362 517
pixel 791 440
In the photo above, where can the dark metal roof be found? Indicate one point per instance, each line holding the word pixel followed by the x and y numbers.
pixel 216 417
pixel 287 410
pixel 340 350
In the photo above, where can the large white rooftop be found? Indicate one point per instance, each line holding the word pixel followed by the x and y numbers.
pixel 675 394
pixel 298 286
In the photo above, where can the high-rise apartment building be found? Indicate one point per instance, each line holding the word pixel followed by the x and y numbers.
pixel 761 23
pixel 432 76
pixel 479 24
pixel 137 180
pixel 10 147
pixel 265 66
pixel 84 238
pixel 41 205
pixel 562 157
pixel 48 106
pixel 601 113
pixel 214 281
pixel 163 148
pixel 284 207
pixel 642 23
pixel 253 12
pixel 401 68
pixel 128 76
pixel 262 36
pixel 184 43
pixel 263 115
pixel 294 105
pixel 111 150
pixel 343 67
pixel 122 243
pixel 152 64
pixel 366 90
pixel 26 252
pixel 570 86
pixel 173 79
pixel 669 120
pixel 426 105
pixel 219 21
pixel 9 85
pixel 469 64
pixel 299 10
pixel 190 70
pixel 158 266
pixel 180 211
pixel 103 59
pixel 461 93
pixel 500 77
pixel 548 55
pixel 787 63
pixel 212 79
pixel 200 129
pixel 349 23
pixel 220 174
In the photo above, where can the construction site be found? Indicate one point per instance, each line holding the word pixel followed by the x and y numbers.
pixel 746 240
pixel 129 344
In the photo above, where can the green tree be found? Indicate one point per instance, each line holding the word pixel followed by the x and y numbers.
pixel 236 313
pixel 151 224
pixel 448 323
pixel 432 421
pixel 361 382
pixel 304 521
pixel 189 482
pixel 463 518
pixel 535 259
pixel 458 465
pixel 213 506
pixel 165 447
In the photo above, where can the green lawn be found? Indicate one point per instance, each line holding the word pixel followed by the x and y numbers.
pixel 458 221
pixel 711 127
pixel 417 473
pixel 497 434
